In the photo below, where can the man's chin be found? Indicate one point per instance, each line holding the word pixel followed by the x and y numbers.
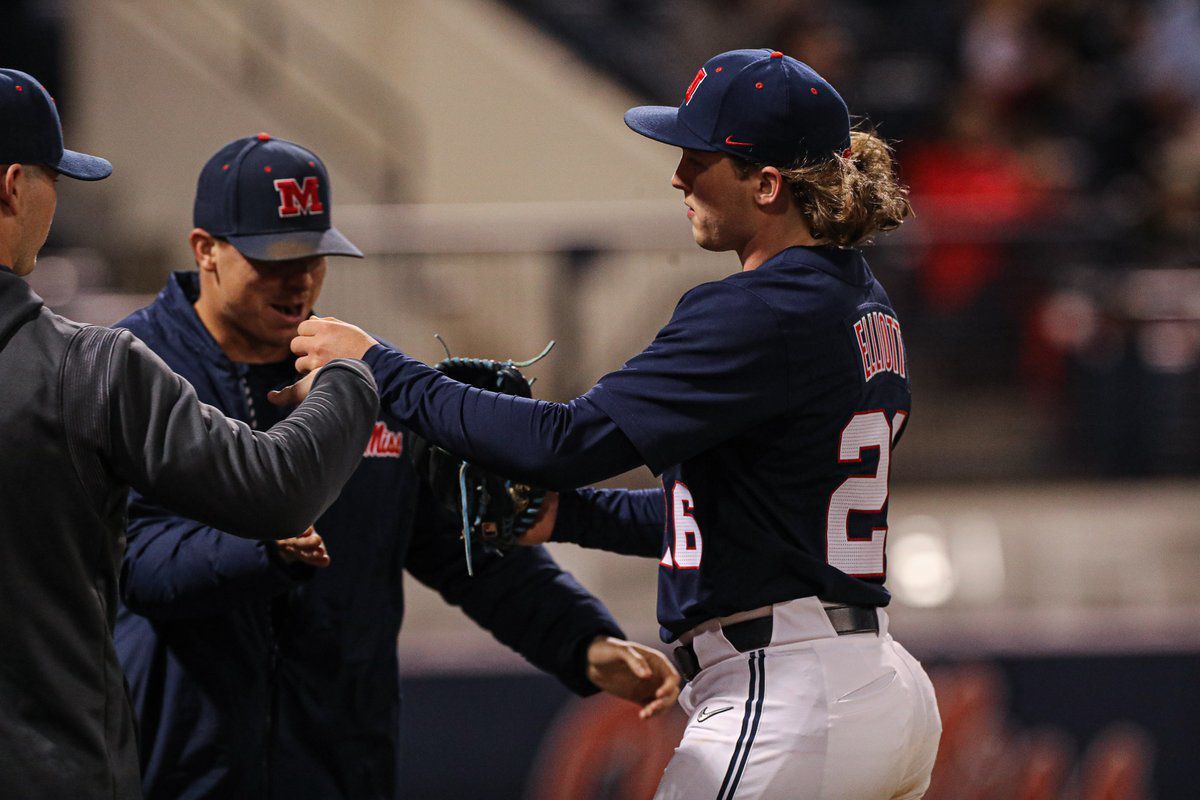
pixel 23 266
pixel 708 243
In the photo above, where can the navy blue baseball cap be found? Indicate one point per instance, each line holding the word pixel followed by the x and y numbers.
pixel 31 132
pixel 270 199
pixel 757 104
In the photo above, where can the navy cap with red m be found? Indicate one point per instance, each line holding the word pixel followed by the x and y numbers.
pixel 757 104
pixel 31 132
pixel 270 199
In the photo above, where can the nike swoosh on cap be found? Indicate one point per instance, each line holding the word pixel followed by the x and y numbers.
pixel 729 140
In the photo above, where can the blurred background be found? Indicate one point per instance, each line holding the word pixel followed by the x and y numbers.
pixel 1045 513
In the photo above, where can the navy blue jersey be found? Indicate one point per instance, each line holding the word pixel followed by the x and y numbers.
pixel 770 403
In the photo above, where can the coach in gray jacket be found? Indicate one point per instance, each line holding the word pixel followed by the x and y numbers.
pixel 85 413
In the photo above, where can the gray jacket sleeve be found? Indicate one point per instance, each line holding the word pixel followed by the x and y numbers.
pixel 159 438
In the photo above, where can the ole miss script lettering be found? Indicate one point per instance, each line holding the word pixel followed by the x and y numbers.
pixel 384 443
pixel 880 344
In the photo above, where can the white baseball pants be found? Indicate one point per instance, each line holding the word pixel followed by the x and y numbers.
pixel 813 716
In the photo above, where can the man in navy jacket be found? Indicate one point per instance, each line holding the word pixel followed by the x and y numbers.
pixel 264 671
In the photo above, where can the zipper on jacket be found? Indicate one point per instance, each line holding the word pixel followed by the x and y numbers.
pixel 251 416
pixel 272 709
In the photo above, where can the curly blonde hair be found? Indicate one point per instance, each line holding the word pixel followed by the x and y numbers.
pixel 849 198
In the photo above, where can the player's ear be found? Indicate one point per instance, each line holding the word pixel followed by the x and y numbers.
pixel 10 176
pixel 770 186
pixel 204 249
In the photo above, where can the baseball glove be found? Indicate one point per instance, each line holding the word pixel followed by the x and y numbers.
pixel 495 511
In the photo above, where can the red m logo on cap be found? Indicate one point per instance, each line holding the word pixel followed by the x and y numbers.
pixel 295 199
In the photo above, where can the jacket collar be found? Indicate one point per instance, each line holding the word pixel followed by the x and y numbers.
pixel 18 303
pixel 175 313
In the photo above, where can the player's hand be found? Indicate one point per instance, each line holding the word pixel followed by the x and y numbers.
pixel 539 532
pixel 319 340
pixel 634 672
pixel 307 548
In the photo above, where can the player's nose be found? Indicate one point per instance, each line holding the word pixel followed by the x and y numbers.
pixel 678 182
pixel 301 273
pixel 679 179
pixel 298 280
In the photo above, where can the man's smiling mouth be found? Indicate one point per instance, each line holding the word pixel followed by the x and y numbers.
pixel 289 309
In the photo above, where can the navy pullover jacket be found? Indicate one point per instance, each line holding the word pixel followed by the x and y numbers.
pixel 250 678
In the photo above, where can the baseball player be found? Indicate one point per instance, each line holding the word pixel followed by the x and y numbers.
pixel 257 672
pixel 86 414
pixel 770 403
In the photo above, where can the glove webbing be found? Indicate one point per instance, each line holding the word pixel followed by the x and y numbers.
pixel 464 502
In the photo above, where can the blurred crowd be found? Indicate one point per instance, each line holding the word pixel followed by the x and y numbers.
pixel 1097 100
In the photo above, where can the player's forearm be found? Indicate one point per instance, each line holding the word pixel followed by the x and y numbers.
pixel 524 598
pixel 176 568
pixel 541 612
pixel 555 445
pixel 270 485
pixel 629 522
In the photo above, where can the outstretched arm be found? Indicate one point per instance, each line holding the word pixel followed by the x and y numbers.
pixel 555 445
pixel 151 430
pixel 664 406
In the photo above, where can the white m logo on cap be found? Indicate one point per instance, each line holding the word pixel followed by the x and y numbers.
pixel 296 199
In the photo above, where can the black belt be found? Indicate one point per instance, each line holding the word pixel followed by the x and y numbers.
pixel 755 633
